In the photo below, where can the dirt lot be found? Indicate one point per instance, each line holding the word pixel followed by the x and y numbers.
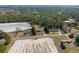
pixel 70 48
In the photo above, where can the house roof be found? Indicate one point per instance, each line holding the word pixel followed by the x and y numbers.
pixel 69 21
pixel 37 28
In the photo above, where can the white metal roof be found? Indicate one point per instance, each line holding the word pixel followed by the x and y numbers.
pixel 10 27
pixel 40 45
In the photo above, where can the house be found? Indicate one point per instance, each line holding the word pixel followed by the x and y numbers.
pixel 38 30
pixel 70 21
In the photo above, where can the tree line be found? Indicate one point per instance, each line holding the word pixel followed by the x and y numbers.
pixel 52 17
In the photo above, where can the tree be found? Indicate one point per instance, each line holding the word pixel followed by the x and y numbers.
pixel 62 46
pixel 77 39
pixel 7 38
pixel 2 35
pixel 71 35
pixel 33 31
pixel 46 29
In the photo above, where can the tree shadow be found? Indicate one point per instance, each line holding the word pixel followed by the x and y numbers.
pixel 76 44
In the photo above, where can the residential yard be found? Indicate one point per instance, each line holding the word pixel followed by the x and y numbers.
pixel 70 48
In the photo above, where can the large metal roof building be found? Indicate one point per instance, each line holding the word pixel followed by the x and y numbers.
pixel 11 27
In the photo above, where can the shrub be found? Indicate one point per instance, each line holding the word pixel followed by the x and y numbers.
pixel 71 35
pixel 2 35
pixel 62 46
pixel 46 29
pixel 7 38
pixel 77 39
pixel 2 48
pixel 33 31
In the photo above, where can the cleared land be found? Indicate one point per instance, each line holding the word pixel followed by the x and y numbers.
pixel 70 48
pixel 41 45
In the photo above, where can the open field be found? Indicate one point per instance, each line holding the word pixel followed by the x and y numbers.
pixel 41 45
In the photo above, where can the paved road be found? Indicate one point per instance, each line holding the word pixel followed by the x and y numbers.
pixel 41 45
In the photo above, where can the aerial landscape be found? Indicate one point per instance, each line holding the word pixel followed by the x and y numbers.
pixel 39 28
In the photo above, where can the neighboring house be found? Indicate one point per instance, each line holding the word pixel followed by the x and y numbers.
pixel 70 21
pixel 38 30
